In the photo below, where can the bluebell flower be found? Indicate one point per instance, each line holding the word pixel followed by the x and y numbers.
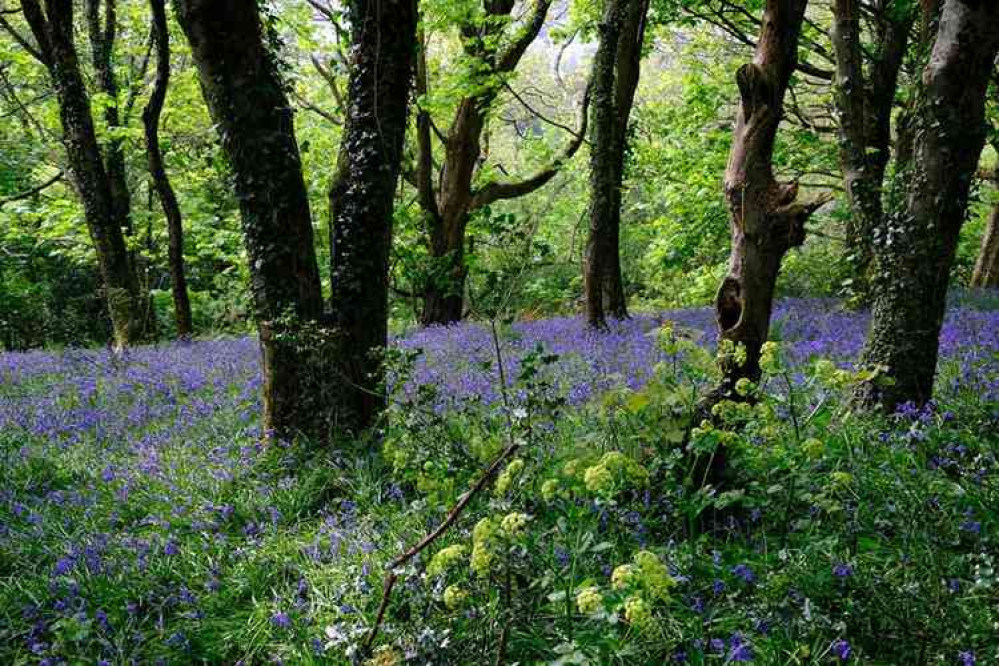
pixel 841 649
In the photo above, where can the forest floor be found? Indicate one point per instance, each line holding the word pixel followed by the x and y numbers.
pixel 142 522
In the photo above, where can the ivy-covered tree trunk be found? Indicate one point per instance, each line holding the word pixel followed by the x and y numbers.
pixel 53 32
pixel 913 256
pixel 168 200
pixel 766 219
pixel 246 98
pixel 383 36
pixel 615 77
pixel 865 107
pixel 987 265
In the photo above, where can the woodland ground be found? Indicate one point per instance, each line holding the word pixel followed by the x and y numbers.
pixel 141 521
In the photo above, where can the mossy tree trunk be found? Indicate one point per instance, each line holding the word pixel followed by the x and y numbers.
pixel 161 182
pixel 914 254
pixel 99 189
pixel 616 69
pixel 383 34
pixel 865 103
pixel 765 216
pixel 247 101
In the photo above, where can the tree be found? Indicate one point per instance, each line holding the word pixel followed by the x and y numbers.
pixel 167 197
pixel 986 272
pixel 915 250
pixel 96 177
pixel 615 78
pixel 865 106
pixel 766 218
pixel 448 205
pixel 383 37
pixel 312 371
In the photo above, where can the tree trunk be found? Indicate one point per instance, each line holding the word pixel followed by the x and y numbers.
pixel 914 256
pixel 247 101
pixel 604 188
pixel 168 200
pixel 383 34
pixel 865 122
pixel 766 219
pixel 616 71
pixel 987 266
pixel 53 31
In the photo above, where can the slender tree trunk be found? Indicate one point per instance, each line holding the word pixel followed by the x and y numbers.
pixel 247 101
pixel 604 187
pixel 168 200
pixel 53 31
pixel 765 217
pixel 616 69
pixel 987 266
pixel 383 33
pixel 913 258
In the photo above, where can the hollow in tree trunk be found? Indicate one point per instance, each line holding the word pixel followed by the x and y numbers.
pixel 915 251
pixel 765 216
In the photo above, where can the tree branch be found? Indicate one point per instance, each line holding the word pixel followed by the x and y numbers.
pixel 508 60
pixel 496 191
pixel 32 191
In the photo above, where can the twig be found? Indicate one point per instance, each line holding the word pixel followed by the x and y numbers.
pixel 32 191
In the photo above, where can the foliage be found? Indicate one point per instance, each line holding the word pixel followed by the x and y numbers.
pixel 140 519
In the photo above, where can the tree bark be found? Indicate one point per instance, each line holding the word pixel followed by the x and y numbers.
pixel 766 218
pixel 383 34
pixel 913 256
pixel 53 31
pixel 168 200
pixel 616 69
pixel 247 101
pixel 865 109
pixel 987 266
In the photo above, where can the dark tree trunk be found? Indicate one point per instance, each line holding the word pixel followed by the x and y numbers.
pixel 865 121
pixel 603 162
pixel 247 101
pixel 616 71
pixel 765 217
pixel 101 33
pixel 168 200
pixel 914 255
pixel 987 266
pixel 383 34
pixel 53 30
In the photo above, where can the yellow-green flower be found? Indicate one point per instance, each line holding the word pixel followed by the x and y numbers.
pixel 483 545
pixel 506 478
pixel 598 479
pixel 770 358
pixel 637 612
pixel 813 447
pixel 549 489
pixel 513 524
pixel 445 559
pixel 589 600
pixel 454 597
pixel 385 655
pixel 623 576
pixel 744 386
pixel 653 574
